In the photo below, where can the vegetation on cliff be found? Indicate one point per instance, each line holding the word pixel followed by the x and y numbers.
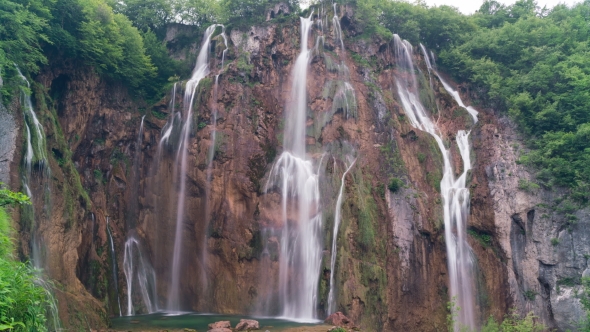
pixel 532 63
pixel 23 304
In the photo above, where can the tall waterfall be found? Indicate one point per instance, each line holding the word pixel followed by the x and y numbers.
pixel 297 180
pixel 200 71
pixel 35 155
pixel 114 266
pixel 337 217
pixel 211 156
pixel 454 192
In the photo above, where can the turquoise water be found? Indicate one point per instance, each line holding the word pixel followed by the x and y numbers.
pixel 196 321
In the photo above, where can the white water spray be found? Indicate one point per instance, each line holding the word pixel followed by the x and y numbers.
pixel 294 175
pixel 139 272
pixel 201 70
pixel 337 217
pixel 455 194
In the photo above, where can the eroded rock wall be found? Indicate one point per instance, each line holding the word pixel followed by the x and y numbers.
pixel 391 271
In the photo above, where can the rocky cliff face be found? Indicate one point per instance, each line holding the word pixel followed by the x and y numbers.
pixel 391 272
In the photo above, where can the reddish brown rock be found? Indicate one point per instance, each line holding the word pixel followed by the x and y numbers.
pixel 338 319
pixel 247 325
pixel 224 324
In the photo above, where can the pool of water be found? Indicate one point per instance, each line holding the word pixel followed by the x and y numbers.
pixel 199 322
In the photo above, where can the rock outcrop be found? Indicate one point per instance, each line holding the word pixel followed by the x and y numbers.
pixel 247 325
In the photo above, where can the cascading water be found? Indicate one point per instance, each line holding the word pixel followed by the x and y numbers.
pixel 200 71
pixel 296 179
pixel 35 155
pixel 429 64
pixel 133 211
pixel 138 271
pixel 114 266
pixel 344 97
pixel 211 154
pixel 455 194
pixel 337 217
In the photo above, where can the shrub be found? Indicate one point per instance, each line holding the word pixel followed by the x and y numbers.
pixel 395 184
pixel 527 186
pixel 23 304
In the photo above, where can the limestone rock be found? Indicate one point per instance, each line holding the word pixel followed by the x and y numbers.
pixel 224 324
pixel 247 324
pixel 338 319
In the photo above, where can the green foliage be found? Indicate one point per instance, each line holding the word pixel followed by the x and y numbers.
pixel 23 304
pixel 395 184
pixel 554 241
pixel 584 324
pixel 514 323
pixel 339 329
pixel 530 295
pixel 527 186
pixel 8 197
pixel 484 239
pixel 535 64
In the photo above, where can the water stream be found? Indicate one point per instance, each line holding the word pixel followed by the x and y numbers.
pixel 114 266
pixel 337 217
pixel 200 71
pixel 295 177
pixel 139 273
pixel 453 191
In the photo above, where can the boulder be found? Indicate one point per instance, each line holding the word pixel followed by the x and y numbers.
pixel 224 324
pixel 338 319
pixel 247 325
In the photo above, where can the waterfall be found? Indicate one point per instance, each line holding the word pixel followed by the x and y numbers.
pixel 133 209
pixel 453 191
pixel 36 136
pixel 138 269
pixel 200 71
pixel 211 154
pixel 35 155
pixel 296 179
pixel 344 98
pixel 429 64
pixel 337 217
pixel 114 266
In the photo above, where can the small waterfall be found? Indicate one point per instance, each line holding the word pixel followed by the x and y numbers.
pixel 36 145
pixel 53 322
pixel 455 194
pixel 200 71
pixel 337 217
pixel 114 266
pixel 344 97
pixel 137 268
pixel 429 64
pixel 133 209
pixel 35 155
pixel 167 129
pixel 294 176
